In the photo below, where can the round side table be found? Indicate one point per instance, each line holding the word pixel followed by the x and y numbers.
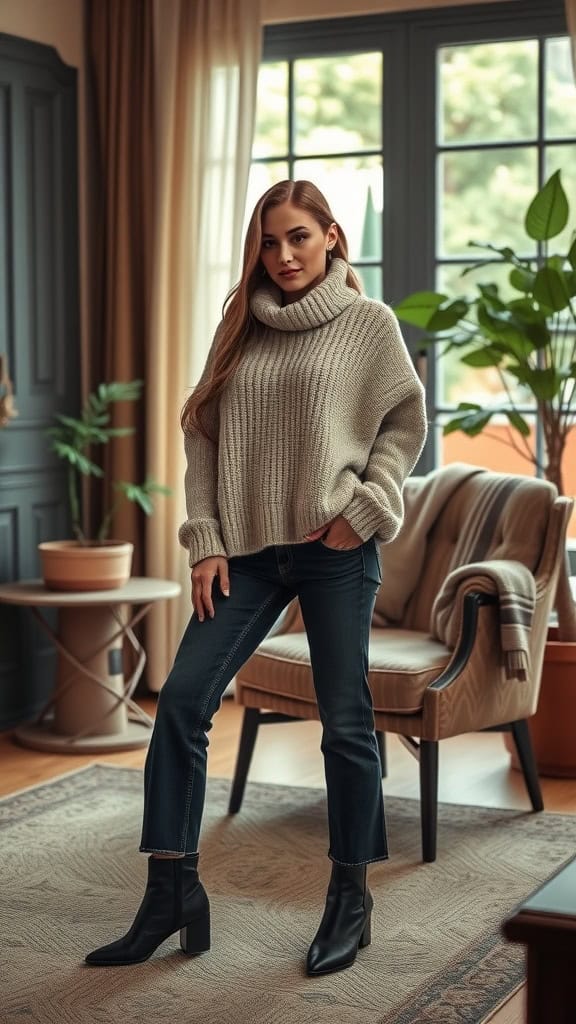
pixel 92 710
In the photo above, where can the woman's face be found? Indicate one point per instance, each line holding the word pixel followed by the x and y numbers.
pixel 294 249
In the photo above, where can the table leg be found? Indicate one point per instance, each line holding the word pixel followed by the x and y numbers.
pixel 92 700
pixel 91 636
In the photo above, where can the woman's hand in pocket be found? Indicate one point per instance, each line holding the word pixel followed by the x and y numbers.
pixel 203 576
pixel 340 535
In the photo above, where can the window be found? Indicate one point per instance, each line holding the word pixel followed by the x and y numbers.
pixel 425 129
pixel 320 118
pixel 491 157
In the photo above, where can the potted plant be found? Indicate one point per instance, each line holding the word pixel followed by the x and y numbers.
pixel 529 339
pixel 93 562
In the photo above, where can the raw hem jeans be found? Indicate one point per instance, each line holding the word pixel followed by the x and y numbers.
pixel 337 590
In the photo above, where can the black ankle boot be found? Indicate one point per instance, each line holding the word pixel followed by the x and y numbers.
pixel 346 923
pixel 174 899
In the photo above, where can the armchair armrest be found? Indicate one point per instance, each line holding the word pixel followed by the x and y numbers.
pixel 473 601
pixel 472 693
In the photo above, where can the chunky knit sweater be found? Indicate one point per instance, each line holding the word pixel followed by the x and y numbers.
pixel 324 416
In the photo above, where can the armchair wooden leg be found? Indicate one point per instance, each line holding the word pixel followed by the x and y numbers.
pixel 381 737
pixel 521 735
pixel 247 740
pixel 428 797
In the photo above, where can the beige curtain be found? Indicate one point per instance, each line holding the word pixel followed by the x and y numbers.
pixel 206 55
pixel 571 22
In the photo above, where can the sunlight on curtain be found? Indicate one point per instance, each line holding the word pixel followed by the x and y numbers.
pixel 207 56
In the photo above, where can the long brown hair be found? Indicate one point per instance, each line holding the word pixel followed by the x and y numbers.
pixel 238 322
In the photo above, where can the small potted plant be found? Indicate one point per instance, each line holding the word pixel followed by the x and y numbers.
pixel 528 338
pixel 93 562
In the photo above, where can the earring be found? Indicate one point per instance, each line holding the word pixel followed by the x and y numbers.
pixel 329 255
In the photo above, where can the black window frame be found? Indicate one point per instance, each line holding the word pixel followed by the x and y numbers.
pixel 409 41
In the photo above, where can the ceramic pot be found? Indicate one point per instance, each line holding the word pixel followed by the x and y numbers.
pixel 553 727
pixel 69 565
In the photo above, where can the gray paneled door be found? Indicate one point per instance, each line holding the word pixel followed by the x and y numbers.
pixel 39 335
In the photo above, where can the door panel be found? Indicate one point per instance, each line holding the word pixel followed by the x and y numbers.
pixel 39 334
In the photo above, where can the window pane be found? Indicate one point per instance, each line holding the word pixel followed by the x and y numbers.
pixel 456 382
pixel 563 158
pixel 452 281
pixel 482 196
pixel 271 131
pixel 338 103
pixel 371 278
pixel 492 452
pixel 560 104
pixel 488 92
pixel 353 188
pixel 262 177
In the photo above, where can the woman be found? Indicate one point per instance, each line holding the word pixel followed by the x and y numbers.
pixel 299 436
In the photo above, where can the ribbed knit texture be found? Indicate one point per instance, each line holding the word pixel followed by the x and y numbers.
pixel 325 416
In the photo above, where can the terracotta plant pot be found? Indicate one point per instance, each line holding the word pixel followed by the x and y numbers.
pixel 69 565
pixel 553 727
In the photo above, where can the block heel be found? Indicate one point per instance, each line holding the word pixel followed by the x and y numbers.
pixel 346 924
pixel 195 936
pixel 366 937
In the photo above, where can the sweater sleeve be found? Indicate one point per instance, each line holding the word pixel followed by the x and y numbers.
pixel 201 532
pixel 377 506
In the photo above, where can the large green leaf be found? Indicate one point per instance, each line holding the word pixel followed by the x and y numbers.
pixel 526 311
pixel 446 317
pixel 548 212
pixel 418 308
pixel 502 327
pixel 551 289
pixel 537 334
pixel 471 420
pixel 572 255
pixel 521 280
pixel 488 356
pixel 544 384
pixel 518 422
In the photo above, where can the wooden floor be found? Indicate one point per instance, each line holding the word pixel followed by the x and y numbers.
pixel 474 769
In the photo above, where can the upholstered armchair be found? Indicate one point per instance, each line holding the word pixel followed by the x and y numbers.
pixel 432 678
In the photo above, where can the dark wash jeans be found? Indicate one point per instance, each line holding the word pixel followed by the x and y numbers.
pixel 337 591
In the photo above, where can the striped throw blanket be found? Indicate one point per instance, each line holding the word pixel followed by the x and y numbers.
pixel 425 498
pixel 510 580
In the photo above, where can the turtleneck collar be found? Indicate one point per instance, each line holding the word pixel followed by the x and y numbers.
pixel 323 303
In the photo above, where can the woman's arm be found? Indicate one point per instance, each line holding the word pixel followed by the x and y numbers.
pixel 201 532
pixel 377 506
pixel 395 393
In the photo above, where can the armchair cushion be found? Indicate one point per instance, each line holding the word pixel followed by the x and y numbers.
pixel 402 664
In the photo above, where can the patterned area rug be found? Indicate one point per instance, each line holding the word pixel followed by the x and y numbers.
pixel 72 878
